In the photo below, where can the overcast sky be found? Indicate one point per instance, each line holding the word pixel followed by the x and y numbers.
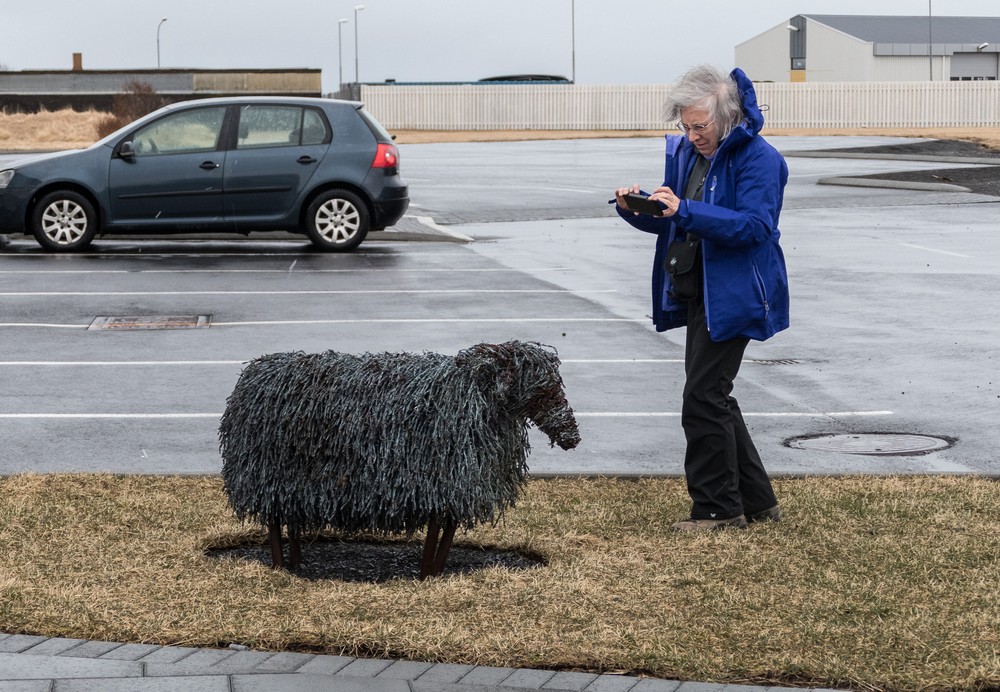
pixel 630 42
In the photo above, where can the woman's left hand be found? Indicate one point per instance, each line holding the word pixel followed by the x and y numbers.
pixel 667 197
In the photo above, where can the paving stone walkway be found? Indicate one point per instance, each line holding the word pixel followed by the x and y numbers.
pixel 42 664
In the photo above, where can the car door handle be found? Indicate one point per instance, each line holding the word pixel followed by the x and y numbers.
pixel 306 159
pixel 209 165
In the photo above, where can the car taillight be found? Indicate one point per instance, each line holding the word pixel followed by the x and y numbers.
pixel 386 156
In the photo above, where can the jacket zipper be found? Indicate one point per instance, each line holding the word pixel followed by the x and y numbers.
pixel 762 287
pixel 704 273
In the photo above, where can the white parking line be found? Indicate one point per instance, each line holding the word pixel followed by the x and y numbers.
pixel 578 414
pixel 432 320
pixel 572 190
pixel 157 363
pixel 622 360
pixel 202 254
pixel 115 363
pixel 43 325
pixel 392 291
pixel 388 320
pixel 98 416
pixel 360 270
pixel 940 252
pixel 762 414
pixel 363 291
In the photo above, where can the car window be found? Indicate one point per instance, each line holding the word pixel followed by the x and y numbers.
pixel 280 126
pixel 181 133
pixel 313 127
pixel 375 126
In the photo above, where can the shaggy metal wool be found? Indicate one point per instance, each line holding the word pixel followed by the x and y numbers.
pixel 384 442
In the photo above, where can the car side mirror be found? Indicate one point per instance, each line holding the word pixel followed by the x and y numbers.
pixel 126 150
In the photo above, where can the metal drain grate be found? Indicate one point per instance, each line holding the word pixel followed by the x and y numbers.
pixel 877 444
pixel 134 322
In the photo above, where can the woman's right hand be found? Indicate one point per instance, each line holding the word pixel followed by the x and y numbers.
pixel 622 191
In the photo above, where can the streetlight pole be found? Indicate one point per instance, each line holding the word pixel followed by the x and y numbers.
pixel 158 42
pixel 357 8
pixel 572 14
pixel 930 42
pixel 340 51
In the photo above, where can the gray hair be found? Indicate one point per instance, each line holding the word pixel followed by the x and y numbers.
pixel 706 87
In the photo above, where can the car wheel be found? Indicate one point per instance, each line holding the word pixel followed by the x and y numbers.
pixel 337 221
pixel 64 221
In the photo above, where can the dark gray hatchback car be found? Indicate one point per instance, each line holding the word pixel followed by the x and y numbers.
pixel 320 167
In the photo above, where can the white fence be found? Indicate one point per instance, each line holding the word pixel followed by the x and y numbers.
pixel 640 107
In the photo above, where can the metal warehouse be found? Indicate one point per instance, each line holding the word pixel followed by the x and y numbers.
pixel 863 48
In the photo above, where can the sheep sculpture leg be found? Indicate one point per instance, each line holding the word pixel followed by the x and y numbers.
pixel 436 551
pixel 277 552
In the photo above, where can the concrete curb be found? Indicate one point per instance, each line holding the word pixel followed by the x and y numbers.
pixel 418 228
pixel 892 184
pixel 971 160
pixel 410 228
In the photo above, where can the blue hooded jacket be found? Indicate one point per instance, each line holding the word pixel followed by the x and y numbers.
pixel 745 280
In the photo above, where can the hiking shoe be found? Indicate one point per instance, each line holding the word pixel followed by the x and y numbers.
pixel 690 525
pixel 770 514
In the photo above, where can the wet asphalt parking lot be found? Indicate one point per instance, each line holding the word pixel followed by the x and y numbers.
pixel 894 316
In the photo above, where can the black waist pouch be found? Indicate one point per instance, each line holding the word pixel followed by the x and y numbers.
pixel 681 265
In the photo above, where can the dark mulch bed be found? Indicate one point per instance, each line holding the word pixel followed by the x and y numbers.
pixel 374 562
pixel 983 180
pixel 934 147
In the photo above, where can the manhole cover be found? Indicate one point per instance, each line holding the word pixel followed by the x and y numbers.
pixel 871 443
pixel 150 322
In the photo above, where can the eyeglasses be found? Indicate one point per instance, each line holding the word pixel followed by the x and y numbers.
pixel 697 129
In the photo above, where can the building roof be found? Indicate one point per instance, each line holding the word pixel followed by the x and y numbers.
pixel 889 29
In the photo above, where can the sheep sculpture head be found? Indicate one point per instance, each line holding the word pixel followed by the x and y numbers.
pixel 388 442
pixel 527 376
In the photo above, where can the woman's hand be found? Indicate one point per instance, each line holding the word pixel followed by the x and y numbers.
pixel 667 197
pixel 622 191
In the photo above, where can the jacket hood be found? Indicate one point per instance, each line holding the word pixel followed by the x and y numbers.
pixel 753 117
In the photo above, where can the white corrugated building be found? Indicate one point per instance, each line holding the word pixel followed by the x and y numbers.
pixel 862 48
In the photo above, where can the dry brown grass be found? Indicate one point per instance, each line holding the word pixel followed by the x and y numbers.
pixel 67 129
pixel 49 130
pixel 875 583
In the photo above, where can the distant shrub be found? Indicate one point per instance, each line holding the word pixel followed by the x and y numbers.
pixel 138 99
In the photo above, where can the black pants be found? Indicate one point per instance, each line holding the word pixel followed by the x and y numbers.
pixel 725 476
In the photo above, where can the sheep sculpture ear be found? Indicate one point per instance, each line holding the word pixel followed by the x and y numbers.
pixel 490 365
pixel 510 369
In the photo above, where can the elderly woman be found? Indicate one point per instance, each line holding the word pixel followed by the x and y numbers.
pixel 718 269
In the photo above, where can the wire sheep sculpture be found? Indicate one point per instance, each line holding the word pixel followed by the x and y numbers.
pixel 388 442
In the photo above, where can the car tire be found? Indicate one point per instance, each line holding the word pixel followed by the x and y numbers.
pixel 337 221
pixel 64 221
